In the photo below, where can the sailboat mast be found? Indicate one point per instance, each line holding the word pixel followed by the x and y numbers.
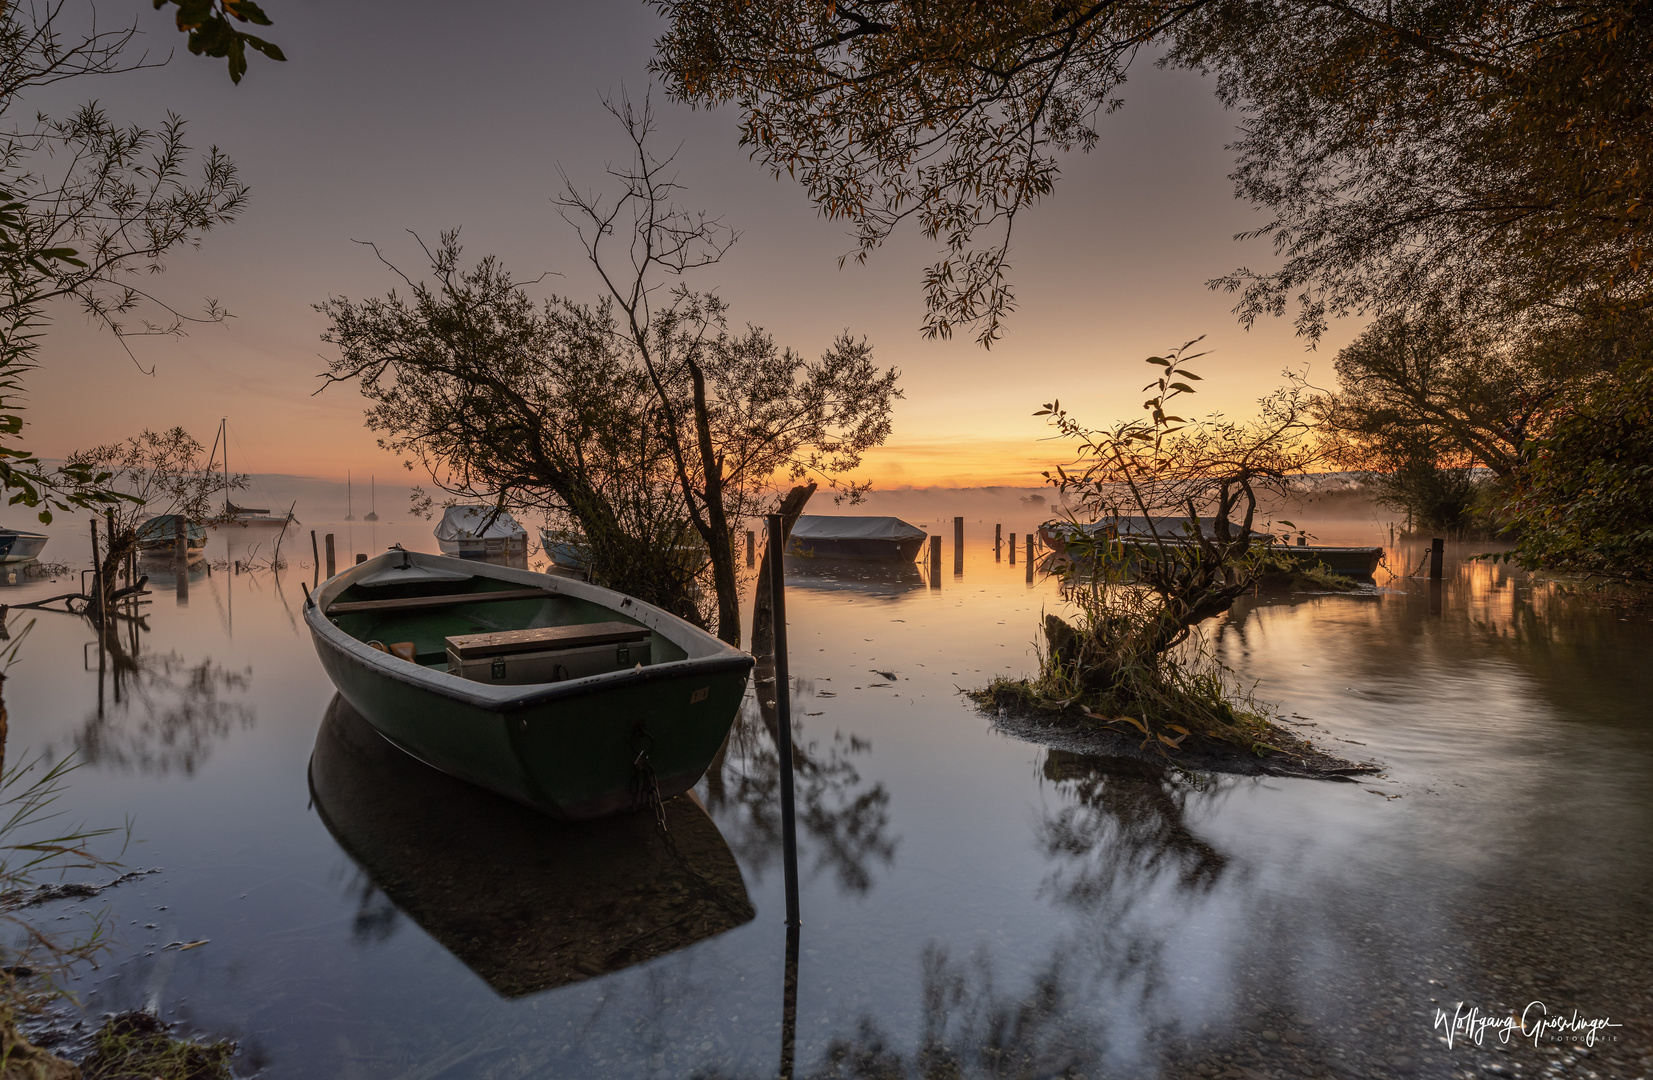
pixel 224 436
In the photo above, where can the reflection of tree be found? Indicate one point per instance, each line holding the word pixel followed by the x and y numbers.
pixel 970 1028
pixel 1125 826
pixel 844 822
pixel 1120 840
pixel 166 712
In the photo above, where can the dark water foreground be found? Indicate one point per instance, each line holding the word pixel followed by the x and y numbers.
pixel 974 906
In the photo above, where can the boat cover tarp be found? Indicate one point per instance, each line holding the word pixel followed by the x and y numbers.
pixel 1168 528
pixel 465 523
pixel 826 527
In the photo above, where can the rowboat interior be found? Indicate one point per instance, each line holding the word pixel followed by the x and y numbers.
pixel 418 613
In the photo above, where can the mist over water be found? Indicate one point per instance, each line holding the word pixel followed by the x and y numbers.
pixel 973 905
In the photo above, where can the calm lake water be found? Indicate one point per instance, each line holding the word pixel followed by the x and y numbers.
pixel 973 905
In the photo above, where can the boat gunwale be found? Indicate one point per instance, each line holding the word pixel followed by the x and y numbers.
pixel 506 699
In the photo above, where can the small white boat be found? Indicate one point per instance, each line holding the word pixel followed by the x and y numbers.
pixel 478 532
pixel 18 546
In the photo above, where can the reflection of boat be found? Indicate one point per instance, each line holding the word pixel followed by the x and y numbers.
pixel 880 538
pixel 526 903
pixel 477 532
pixel 373 506
pixel 20 546
pixel 862 575
pixel 544 689
pixel 1072 539
pixel 158 537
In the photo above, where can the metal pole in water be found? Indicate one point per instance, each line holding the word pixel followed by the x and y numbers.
pixel 1437 549
pixel 783 714
pixel 958 547
pixel 330 570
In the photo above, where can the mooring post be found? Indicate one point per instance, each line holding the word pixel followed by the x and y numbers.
pixel 958 547
pixel 998 541
pixel 935 562
pixel 1030 557
pixel 783 714
pixel 330 570
pixel 1012 549
pixel 751 548
pixel 315 560
pixel 360 558
pixel 180 558
pixel 1437 549
pixel 97 578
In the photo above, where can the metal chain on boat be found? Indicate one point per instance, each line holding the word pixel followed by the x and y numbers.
pixel 645 785
pixel 645 792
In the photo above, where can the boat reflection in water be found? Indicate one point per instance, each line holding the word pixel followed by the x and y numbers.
pixel 525 902
pixel 839 575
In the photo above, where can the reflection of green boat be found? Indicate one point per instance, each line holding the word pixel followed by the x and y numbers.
pixel 569 697
pixel 525 902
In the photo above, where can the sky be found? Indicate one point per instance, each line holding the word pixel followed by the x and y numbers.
pixel 391 118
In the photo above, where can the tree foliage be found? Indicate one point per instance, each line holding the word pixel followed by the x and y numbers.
pixel 1492 154
pixel 89 212
pixel 211 27
pixel 1585 503
pixel 551 407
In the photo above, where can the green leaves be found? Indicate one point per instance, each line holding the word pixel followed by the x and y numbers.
pixel 211 33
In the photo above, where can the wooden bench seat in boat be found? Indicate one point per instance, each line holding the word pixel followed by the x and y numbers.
pixel 424 603
pixel 548 653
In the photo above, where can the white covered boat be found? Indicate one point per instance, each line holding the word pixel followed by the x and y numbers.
pixel 480 532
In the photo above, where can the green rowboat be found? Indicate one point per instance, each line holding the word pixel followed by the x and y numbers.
pixel 570 698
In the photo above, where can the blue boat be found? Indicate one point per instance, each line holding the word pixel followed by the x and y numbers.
pixel 18 546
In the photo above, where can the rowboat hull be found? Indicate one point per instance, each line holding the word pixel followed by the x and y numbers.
pixel 568 749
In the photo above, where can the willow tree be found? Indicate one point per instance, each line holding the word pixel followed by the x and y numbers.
pixel 645 420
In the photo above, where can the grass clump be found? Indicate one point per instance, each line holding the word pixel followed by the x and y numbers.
pixel 138 1046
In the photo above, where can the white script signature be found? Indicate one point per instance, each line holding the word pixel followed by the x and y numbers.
pixel 1535 1023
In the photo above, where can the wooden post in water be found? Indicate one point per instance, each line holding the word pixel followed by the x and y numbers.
pixel 783 714
pixel 180 558
pixel 315 560
pixel 998 541
pixel 1030 557
pixel 1437 549
pixel 1012 549
pixel 97 582
pixel 751 547
pixel 330 569
pixel 935 562
pixel 360 558
pixel 958 547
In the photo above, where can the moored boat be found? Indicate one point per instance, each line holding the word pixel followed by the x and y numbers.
pixel 478 532
pixel 557 693
pixel 877 538
pixel 1073 538
pixel 526 903
pixel 567 553
pixel 158 537
pixel 21 546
